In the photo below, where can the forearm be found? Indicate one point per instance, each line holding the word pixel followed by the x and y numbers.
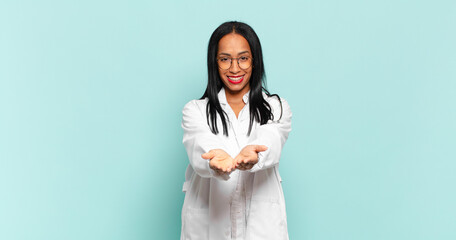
pixel 198 139
pixel 273 135
pixel 274 143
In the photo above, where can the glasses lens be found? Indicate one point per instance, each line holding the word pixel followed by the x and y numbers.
pixel 245 62
pixel 224 63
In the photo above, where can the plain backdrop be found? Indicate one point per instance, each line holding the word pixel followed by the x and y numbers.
pixel 91 94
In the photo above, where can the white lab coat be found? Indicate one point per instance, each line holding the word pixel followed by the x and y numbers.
pixel 246 205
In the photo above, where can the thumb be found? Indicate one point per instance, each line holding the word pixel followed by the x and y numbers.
pixel 208 155
pixel 260 148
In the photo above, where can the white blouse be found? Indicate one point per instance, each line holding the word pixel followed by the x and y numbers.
pixel 243 205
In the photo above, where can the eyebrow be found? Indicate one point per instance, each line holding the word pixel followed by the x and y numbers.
pixel 230 54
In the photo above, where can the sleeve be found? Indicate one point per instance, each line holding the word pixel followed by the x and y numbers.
pixel 273 134
pixel 199 139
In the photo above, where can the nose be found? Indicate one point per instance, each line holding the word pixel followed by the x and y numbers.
pixel 234 68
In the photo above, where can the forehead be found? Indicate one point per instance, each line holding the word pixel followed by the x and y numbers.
pixel 233 44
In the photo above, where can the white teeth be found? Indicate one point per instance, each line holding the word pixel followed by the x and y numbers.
pixel 235 79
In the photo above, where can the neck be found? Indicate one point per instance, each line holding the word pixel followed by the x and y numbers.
pixel 235 97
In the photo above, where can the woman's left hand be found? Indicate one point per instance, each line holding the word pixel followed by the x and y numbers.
pixel 248 156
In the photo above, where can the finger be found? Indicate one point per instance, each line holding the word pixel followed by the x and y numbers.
pixel 218 170
pixel 260 148
pixel 237 159
pixel 246 161
pixel 208 155
pixel 231 168
pixel 236 164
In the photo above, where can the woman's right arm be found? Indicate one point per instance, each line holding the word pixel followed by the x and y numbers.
pixel 198 139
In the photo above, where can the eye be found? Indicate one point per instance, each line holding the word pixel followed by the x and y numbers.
pixel 224 59
pixel 244 59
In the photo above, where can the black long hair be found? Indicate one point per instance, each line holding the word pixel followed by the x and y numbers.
pixel 260 110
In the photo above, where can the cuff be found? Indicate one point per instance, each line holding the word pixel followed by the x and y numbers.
pixel 259 165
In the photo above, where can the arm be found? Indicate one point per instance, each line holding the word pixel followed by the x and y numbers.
pixel 273 135
pixel 198 140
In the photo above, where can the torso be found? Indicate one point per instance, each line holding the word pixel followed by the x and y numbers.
pixel 249 205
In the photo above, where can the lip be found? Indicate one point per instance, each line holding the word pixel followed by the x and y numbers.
pixel 236 82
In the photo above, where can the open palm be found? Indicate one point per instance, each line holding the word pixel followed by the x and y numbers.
pixel 220 161
pixel 248 156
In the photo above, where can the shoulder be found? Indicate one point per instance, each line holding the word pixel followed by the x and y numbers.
pixel 195 105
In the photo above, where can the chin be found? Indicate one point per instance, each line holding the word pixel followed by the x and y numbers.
pixel 235 88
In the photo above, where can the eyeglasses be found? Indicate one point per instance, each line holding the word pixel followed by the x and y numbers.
pixel 244 62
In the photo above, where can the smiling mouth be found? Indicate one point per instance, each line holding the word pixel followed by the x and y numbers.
pixel 235 79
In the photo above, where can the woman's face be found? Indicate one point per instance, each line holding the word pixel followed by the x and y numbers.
pixel 235 78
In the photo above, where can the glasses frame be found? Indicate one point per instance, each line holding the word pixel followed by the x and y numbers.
pixel 231 62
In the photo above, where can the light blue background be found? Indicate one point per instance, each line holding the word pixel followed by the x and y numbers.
pixel 91 94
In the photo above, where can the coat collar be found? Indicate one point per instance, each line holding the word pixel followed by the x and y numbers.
pixel 222 97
